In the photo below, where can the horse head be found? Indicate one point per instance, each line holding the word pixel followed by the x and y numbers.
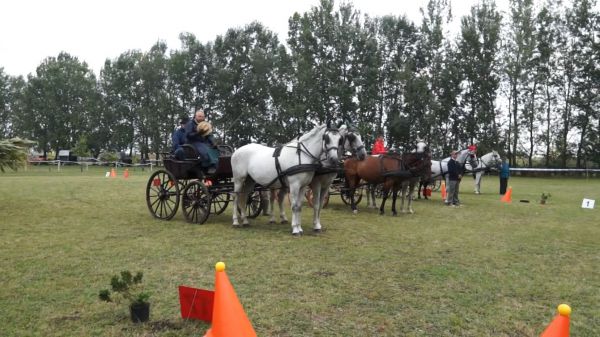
pixel 332 140
pixel 472 157
pixel 496 160
pixel 353 142
pixel 419 160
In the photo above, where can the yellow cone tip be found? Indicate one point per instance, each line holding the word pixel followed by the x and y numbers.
pixel 564 310
pixel 220 266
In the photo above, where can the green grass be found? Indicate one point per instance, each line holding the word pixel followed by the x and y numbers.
pixel 486 269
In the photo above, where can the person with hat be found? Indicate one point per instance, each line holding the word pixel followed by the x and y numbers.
pixel 455 172
pixel 198 132
pixel 178 138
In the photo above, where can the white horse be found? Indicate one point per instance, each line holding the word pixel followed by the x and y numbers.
pixel 293 169
pixel 487 162
pixel 439 168
pixel 320 184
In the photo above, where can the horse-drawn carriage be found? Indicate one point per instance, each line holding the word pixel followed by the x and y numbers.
pixel 199 192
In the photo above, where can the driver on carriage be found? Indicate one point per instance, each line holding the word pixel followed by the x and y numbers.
pixel 198 133
pixel 178 139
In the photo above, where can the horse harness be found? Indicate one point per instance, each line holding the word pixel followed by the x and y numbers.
pixel 300 148
pixel 405 171
pixel 443 174
pixel 485 167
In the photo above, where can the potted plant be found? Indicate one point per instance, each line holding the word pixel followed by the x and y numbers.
pixel 130 288
pixel 544 197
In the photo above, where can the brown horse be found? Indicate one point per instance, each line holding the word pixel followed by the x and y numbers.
pixel 390 170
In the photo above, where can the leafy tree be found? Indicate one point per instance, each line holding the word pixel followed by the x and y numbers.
pixel 60 99
pixel 244 67
pixel 518 52
pixel 583 25
pixel 478 48
pixel 5 115
pixel 120 81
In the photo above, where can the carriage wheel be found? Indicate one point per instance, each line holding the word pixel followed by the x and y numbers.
pixel 309 198
pixel 162 195
pixel 345 194
pixel 196 202
pixel 219 202
pixel 253 205
pixel 435 186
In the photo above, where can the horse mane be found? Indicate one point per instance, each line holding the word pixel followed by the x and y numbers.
pixel 311 133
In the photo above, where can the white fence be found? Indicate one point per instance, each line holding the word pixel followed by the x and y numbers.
pixel 84 165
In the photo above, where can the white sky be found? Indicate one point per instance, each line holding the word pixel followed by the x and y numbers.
pixel 94 30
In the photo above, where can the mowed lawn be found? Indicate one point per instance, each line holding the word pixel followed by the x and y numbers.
pixel 485 269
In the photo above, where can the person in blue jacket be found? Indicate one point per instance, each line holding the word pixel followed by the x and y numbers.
pixel 504 175
pixel 178 138
pixel 455 172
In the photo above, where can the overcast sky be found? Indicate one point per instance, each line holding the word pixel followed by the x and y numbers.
pixel 93 30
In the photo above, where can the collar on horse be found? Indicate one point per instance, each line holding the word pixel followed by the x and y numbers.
pixel 300 148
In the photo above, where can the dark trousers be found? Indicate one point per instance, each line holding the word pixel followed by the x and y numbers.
pixel 503 184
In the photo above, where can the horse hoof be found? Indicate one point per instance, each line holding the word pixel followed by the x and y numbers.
pixel 271 221
pixel 317 230
pixel 236 225
pixel 296 235
pixel 246 225
pixel 283 222
pixel 355 211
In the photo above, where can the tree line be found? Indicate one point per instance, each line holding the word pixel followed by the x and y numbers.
pixel 525 83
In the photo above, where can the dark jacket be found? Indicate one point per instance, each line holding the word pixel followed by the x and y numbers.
pixel 178 138
pixel 504 170
pixel 454 169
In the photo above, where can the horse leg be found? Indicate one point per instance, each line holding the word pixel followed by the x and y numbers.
pixel 402 196
pixel 394 197
pixel 239 197
pixel 272 199
pixel 318 195
pixel 373 190
pixel 386 191
pixel 280 198
pixel 419 190
pixel 296 193
pixel 411 189
pixel 238 183
pixel 247 187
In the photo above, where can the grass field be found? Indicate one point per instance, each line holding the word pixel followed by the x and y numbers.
pixel 486 269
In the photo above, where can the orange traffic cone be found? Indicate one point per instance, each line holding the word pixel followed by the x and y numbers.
pixel 126 174
pixel 113 173
pixel 444 190
pixel 228 318
pixel 560 325
pixel 507 197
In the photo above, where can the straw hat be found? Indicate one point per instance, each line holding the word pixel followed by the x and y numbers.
pixel 204 128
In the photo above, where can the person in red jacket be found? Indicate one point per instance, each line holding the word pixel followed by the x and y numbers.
pixel 378 146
